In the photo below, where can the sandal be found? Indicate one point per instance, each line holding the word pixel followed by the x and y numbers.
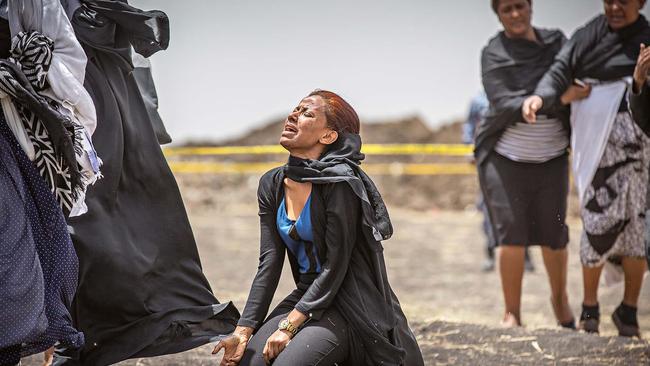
pixel 590 318
pixel 624 317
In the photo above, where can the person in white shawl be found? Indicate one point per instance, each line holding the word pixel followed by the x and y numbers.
pixel 611 152
pixel 45 49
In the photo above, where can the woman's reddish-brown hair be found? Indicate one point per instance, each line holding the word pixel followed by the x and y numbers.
pixel 341 117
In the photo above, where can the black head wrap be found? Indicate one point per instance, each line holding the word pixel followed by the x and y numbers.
pixel 341 163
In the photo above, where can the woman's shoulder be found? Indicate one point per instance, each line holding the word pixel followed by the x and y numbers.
pixel 271 177
pixel 550 34
pixel 268 186
pixel 592 28
pixel 494 43
pixel 494 54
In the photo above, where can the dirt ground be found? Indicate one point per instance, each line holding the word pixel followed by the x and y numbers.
pixel 433 263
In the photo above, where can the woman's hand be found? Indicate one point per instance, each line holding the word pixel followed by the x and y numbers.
pixel 642 68
pixel 275 344
pixel 234 346
pixel 530 107
pixel 575 92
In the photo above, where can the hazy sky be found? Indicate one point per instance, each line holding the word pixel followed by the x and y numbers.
pixel 235 64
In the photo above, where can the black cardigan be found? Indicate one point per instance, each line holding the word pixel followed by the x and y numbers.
pixel 511 69
pixel 594 51
pixel 353 278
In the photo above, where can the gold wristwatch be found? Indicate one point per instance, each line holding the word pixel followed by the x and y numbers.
pixel 285 324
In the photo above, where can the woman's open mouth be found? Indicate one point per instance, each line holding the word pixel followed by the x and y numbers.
pixel 616 19
pixel 290 128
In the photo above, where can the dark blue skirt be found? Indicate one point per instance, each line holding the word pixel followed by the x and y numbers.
pixel 38 264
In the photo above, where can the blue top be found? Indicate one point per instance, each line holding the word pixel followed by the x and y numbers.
pixel 477 110
pixel 299 238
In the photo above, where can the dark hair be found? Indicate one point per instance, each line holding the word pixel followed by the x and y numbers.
pixel 495 5
pixel 341 117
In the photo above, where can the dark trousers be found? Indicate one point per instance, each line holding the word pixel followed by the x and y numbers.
pixel 10 356
pixel 322 342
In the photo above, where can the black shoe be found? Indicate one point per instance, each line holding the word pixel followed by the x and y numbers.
pixel 590 318
pixel 571 324
pixel 624 317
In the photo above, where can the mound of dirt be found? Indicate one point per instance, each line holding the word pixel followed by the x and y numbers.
pixel 445 343
pixel 421 192
pixel 411 129
pixel 416 192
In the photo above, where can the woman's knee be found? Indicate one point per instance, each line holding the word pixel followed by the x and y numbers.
pixel 320 343
pixel 324 352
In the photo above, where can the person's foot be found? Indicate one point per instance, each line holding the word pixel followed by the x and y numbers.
pixel 590 318
pixel 563 313
pixel 571 324
pixel 624 317
pixel 529 266
pixel 510 321
pixel 488 265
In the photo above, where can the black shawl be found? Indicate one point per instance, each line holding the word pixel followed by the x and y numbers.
pixel 511 69
pixel 341 163
pixel 354 278
pixel 595 51
pixel 141 288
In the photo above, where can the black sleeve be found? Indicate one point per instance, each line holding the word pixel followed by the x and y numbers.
pixel 640 106
pixel 342 210
pixel 559 77
pixel 272 252
pixel 505 103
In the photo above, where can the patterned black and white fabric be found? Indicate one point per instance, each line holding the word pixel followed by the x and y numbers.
pixel 615 202
pixel 32 53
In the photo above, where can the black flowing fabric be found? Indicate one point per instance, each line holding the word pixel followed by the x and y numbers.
pixel 147 88
pixel 141 288
pixel 341 163
pixel 360 291
pixel 595 51
pixel 511 69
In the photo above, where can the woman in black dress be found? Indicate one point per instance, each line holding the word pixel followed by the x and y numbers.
pixel 327 215
pixel 141 288
pixel 523 168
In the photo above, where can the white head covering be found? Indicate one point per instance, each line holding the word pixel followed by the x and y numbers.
pixel 68 68
pixel 65 82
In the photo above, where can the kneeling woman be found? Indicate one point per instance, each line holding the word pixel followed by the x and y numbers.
pixel 327 212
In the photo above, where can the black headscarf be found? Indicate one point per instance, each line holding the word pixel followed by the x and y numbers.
pixel 341 163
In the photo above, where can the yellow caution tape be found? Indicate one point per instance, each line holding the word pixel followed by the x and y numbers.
pixel 395 169
pixel 375 149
